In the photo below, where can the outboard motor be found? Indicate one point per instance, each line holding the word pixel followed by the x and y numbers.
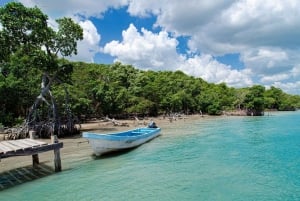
pixel 152 124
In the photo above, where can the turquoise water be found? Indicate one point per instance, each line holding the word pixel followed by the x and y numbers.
pixel 223 158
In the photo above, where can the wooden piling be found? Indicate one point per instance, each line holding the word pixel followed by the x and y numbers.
pixel 35 157
pixel 57 160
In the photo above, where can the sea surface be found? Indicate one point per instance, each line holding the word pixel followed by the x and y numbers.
pixel 221 158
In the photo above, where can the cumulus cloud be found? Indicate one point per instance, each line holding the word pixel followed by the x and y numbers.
pixel 158 51
pixel 145 49
pixel 296 71
pixel 86 8
pixel 291 87
pixel 221 27
pixel 206 67
pixel 266 60
pixel 274 78
pixel 89 46
pixel 182 17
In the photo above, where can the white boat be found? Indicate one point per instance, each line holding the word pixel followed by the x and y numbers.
pixel 104 143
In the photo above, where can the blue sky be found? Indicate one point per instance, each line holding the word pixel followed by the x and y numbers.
pixel 113 22
pixel 239 42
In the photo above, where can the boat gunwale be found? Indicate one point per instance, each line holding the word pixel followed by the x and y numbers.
pixel 117 137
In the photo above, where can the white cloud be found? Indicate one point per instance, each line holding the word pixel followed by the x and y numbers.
pixel 249 24
pixel 86 8
pixel 289 87
pixel 89 46
pixel 209 69
pixel 144 8
pixel 158 51
pixel 182 17
pixel 296 71
pixel 145 49
pixel 273 66
pixel 266 60
pixel 274 78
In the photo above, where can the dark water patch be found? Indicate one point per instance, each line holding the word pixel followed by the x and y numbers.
pixel 22 175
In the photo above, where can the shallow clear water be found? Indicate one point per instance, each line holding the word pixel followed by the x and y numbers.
pixel 223 158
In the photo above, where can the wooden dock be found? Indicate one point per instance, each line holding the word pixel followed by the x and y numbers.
pixel 25 147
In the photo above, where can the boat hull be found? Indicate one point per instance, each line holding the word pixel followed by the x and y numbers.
pixel 104 143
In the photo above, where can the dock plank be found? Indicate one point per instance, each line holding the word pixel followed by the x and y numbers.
pixel 17 144
pixel 26 143
pixel 25 147
pixel 3 149
pixel 35 142
pixel 8 146
pixel 31 150
pixel 23 143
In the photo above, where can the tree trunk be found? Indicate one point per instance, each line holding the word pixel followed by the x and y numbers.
pixel 32 122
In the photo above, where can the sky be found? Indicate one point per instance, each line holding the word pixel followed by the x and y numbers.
pixel 237 42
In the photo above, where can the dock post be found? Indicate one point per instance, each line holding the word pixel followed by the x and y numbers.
pixel 57 161
pixel 35 157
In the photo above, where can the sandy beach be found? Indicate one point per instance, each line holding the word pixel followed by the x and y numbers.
pixel 77 148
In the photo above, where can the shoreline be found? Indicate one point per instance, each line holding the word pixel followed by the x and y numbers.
pixel 76 148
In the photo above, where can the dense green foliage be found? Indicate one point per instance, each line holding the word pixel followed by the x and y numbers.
pixel 118 90
pixel 122 90
pixel 29 62
pixel 29 50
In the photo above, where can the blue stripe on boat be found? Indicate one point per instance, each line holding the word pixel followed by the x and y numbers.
pixel 126 135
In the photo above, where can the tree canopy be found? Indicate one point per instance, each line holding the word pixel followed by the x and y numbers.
pixel 30 51
pixel 124 90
